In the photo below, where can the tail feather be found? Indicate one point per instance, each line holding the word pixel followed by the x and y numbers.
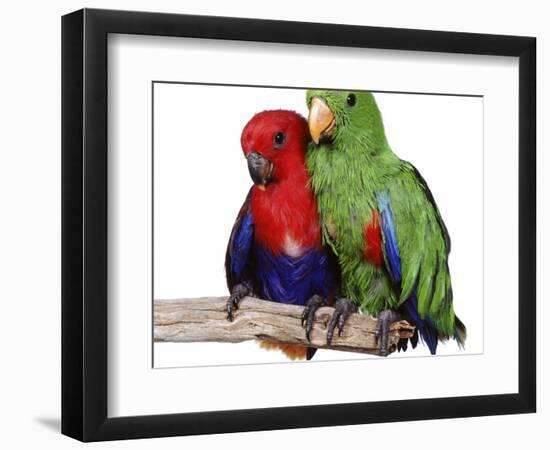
pixel 310 353
pixel 426 330
pixel 460 332
pixel 429 335
pixel 292 352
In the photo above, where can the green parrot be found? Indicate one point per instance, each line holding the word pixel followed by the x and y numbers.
pixel 381 220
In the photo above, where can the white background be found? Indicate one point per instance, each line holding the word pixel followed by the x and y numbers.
pixel 201 179
pixel 30 177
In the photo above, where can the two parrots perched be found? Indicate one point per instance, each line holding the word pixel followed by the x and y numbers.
pixel 336 217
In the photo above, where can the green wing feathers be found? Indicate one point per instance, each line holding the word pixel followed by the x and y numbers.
pixel 424 246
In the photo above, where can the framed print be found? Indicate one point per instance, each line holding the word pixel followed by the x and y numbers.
pixel 254 211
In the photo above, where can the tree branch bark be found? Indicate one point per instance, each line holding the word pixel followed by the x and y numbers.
pixel 205 320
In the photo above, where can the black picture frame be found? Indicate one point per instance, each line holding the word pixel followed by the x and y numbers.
pixel 84 224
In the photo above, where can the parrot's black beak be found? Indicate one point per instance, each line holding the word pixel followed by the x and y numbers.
pixel 321 120
pixel 261 170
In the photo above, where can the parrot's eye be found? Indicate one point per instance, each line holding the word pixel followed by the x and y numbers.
pixel 351 100
pixel 279 139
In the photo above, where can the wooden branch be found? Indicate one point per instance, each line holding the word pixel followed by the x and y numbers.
pixel 205 320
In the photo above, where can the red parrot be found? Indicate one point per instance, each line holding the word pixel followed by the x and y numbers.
pixel 275 250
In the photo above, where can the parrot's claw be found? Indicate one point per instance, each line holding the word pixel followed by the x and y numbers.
pixel 239 292
pixel 308 315
pixel 343 308
pixel 385 319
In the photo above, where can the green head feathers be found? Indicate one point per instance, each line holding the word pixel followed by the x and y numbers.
pixel 346 118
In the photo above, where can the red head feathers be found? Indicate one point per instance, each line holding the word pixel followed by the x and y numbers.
pixel 283 206
pixel 274 143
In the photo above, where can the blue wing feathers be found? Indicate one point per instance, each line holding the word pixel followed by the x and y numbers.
pixel 426 328
pixel 242 246
pixel 390 240
pixel 238 263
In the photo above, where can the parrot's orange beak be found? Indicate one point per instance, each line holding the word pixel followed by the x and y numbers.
pixel 321 120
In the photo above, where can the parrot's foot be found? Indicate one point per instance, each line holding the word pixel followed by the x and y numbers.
pixel 385 319
pixel 343 308
pixel 308 316
pixel 238 292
